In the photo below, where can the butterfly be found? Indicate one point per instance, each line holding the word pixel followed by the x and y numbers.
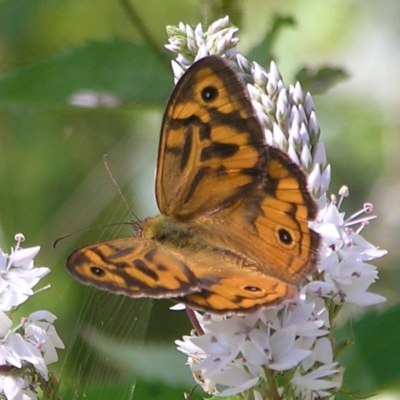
pixel 233 233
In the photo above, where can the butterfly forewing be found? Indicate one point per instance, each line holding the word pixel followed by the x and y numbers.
pixel 212 147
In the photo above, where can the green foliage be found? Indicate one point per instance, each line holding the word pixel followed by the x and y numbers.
pixel 372 363
pixel 320 80
pixel 157 391
pixel 263 53
pixel 115 67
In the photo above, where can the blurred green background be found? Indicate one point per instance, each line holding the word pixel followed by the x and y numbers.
pixel 54 182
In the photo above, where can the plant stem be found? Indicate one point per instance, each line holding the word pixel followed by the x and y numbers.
pixel 272 384
pixel 194 321
pixel 141 27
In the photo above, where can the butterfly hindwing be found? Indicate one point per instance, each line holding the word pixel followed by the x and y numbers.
pixel 271 225
pixel 134 267
pixel 286 211
pixel 244 291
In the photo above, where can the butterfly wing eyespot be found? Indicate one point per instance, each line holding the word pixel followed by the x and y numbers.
pixel 233 233
pixel 97 271
pixel 253 289
pixel 209 94
pixel 285 237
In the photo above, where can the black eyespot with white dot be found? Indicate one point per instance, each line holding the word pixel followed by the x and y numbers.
pixel 209 94
pixel 285 237
pixel 99 272
pixel 253 289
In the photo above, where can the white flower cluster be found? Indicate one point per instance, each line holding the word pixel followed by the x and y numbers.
pixel 27 349
pixel 284 352
pixel 192 44
pixel 344 274
pixel 289 121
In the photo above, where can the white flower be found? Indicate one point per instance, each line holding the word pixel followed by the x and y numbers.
pixel 17 351
pixel 346 275
pixel 311 386
pixel 284 353
pixel 14 350
pixel 321 353
pixel 27 349
pixel 18 276
pixel 36 346
pixel 236 380
pixel 5 324
pixel 16 388
pixel 43 335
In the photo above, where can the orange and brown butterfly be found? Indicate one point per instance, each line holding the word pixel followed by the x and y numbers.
pixel 233 232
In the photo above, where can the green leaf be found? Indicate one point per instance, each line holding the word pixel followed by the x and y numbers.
pixel 373 362
pixel 142 390
pixel 264 52
pixel 131 73
pixel 103 391
pixel 146 361
pixel 157 391
pixel 317 81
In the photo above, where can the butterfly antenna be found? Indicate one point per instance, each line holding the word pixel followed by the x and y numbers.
pixel 105 161
pixel 135 224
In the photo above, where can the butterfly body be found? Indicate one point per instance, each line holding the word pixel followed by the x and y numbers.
pixel 233 232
